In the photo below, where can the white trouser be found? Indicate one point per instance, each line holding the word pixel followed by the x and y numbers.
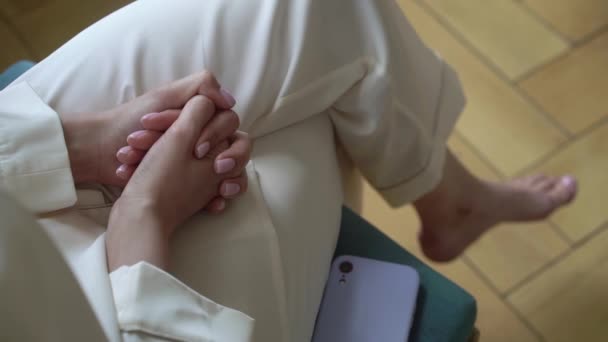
pixel 305 74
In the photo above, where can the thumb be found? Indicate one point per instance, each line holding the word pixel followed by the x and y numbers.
pixel 178 93
pixel 195 115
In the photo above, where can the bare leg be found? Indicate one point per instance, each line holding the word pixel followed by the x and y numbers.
pixel 462 207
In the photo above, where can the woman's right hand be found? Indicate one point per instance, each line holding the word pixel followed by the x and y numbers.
pixel 169 186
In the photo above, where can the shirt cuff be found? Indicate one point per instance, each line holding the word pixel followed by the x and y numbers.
pixel 151 301
pixel 451 103
pixel 34 162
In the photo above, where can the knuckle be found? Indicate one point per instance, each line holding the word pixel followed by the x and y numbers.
pixel 231 120
pixel 208 78
pixel 180 131
pixel 246 140
pixel 203 103
pixel 244 184
pixel 212 137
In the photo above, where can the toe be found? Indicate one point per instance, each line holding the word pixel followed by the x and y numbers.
pixel 529 182
pixel 546 184
pixel 563 191
pixel 538 179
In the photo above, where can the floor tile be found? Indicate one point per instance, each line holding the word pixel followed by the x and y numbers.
pixel 503 125
pixel 587 159
pixel 402 225
pixel 502 31
pixel 509 252
pixel 569 301
pixel 45 33
pixel 573 18
pixel 496 321
pixel 12 49
pixel 573 89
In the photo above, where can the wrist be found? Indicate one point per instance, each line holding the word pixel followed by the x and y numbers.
pixel 135 234
pixel 82 134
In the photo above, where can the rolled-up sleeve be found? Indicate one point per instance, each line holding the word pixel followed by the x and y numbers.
pixel 34 162
pixel 394 122
pixel 152 305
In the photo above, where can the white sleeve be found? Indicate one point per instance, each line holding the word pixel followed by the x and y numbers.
pixel 34 163
pixel 154 306
pixel 395 121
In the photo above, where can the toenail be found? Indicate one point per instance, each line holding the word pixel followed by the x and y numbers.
pixel 568 181
pixel 231 189
pixel 202 149
pixel 224 165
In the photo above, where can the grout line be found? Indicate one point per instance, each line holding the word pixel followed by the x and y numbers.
pixel 525 321
pixel 591 36
pixel 545 23
pixel 536 273
pixel 535 105
pixel 577 246
pixel 469 46
pixel 574 139
pixel 553 59
pixel 480 155
pixel 467 261
pixel 560 232
pixel 592 234
pixel 454 32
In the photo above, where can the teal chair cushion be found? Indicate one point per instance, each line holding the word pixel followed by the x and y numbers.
pixel 444 311
pixel 14 71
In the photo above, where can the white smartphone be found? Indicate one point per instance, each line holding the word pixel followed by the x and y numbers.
pixel 367 300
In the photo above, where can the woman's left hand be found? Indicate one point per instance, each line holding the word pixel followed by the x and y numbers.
pixel 220 129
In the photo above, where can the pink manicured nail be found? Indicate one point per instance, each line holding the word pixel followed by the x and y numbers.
pixel 121 172
pixel 231 189
pixel 224 165
pixel 149 116
pixel 135 135
pixel 123 151
pixel 221 206
pixel 202 149
pixel 228 97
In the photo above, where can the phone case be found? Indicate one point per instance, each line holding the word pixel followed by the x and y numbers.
pixel 371 301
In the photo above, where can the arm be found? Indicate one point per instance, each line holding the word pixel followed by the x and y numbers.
pixel 40 164
pixel 34 162
pixel 169 185
pixel 43 154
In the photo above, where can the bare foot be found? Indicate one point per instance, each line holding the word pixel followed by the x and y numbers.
pixel 462 208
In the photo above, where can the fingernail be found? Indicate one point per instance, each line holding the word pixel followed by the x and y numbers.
pixel 224 165
pixel 231 189
pixel 121 172
pixel 228 97
pixel 221 206
pixel 149 116
pixel 135 135
pixel 202 149
pixel 123 151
